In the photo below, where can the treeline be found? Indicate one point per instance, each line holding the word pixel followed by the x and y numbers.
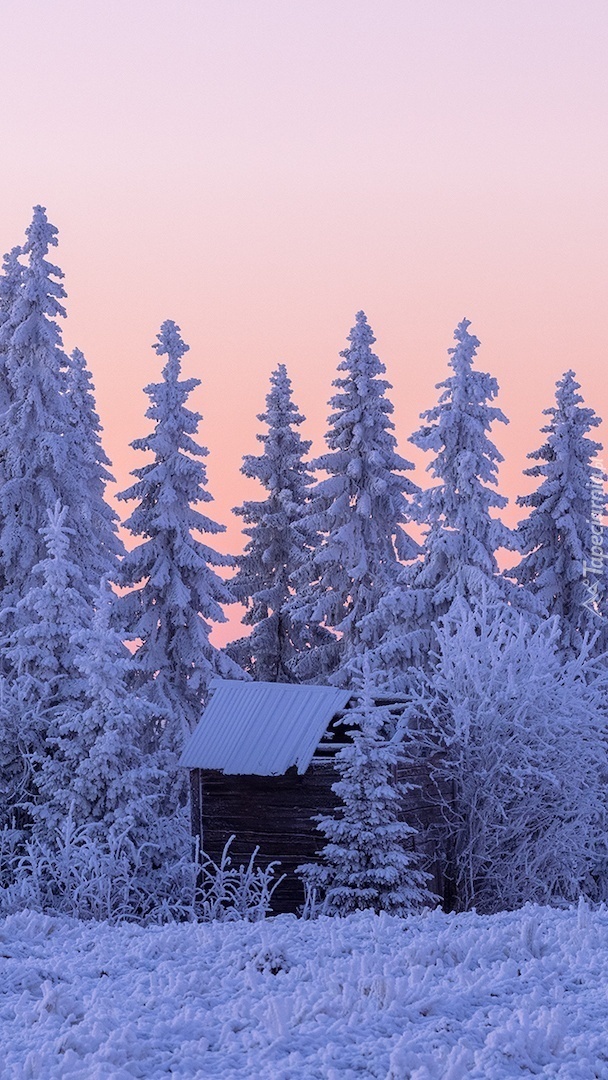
pixel 334 584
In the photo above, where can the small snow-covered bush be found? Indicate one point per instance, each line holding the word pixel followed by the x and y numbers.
pixel 90 876
pixel 228 892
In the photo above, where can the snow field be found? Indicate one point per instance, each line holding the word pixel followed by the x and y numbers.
pixel 428 997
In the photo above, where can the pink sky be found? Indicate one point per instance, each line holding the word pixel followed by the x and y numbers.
pixel 260 171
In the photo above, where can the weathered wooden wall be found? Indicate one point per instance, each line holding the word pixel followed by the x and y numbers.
pixel 276 813
pixel 272 812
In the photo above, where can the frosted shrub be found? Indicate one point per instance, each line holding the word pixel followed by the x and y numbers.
pixel 521 744
pixel 90 876
pixel 10 844
pixel 227 892
pixel 83 875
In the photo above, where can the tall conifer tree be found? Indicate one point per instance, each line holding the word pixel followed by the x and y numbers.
pixel 564 561
pixel 40 451
pixel 176 592
pixel 277 542
pixel 93 465
pixel 359 510
pixel 462 536
pixel 41 650
pixel 32 443
pixel 86 736
pixel 10 284
pixel 102 766
pixel 10 281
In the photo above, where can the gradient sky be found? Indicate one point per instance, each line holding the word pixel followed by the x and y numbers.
pixel 259 171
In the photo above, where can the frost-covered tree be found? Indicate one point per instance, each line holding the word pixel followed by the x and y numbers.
pixel 93 470
pixel 10 284
pixel 518 738
pixel 176 591
pixel 10 281
pixel 359 509
pixel 87 738
pixel 277 543
pixel 562 541
pixel 41 461
pixel 32 430
pixel 462 536
pixel 41 647
pixel 102 767
pixel 369 859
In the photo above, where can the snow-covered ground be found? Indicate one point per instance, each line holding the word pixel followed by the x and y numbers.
pixel 431 996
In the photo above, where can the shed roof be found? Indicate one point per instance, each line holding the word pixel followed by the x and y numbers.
pixel 262 728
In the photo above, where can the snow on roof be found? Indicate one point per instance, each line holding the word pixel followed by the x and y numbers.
pixel 262 728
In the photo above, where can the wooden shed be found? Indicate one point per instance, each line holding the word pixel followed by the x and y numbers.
pixel 261 767
pixel 256 772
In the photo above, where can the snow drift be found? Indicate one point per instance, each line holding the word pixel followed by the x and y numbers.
pixel 425 997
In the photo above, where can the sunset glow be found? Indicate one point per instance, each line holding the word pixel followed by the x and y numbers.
pixel 261 171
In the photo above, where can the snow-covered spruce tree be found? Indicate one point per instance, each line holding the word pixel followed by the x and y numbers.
pixel 10 284
pixel 277 543
pixel 518 737
pixel 102 767
pixel 462 537
pixel 564 561
pixel 87 736
pixel 41 460
pixel 41 650
pixel 359 510
pixel 10 281
pixel 93 466
pixel 368 860
pixel 176 593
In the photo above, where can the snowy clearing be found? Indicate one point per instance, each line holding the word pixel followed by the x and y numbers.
pixel 430 996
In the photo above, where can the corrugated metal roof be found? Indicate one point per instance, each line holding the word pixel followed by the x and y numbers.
pixel 262 728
